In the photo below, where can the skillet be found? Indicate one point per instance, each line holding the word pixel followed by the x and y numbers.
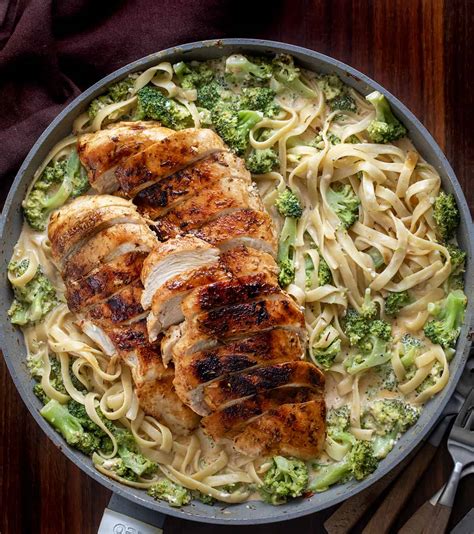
pixel 11 339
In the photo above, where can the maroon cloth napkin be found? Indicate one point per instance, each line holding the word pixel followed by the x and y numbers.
pixel 50 51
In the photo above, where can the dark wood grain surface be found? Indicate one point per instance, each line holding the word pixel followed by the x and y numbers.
pixel 421 51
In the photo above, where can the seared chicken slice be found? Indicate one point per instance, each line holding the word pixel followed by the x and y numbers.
pixel 104 281
pixel 170 259
pixel 166 157
pixel 207 329
pixel 156 393
pixel 255 381
pixel 108 246
pixel 245 319
pixel 78 221
pixel 244 227
pixel 100 152
pixel 122 307
pixel 243 260
pixel 166 303
pixel 231 292
pixel 229 421
pixel 297 430
pixel 119 339
pixel 194 371
pixel 158 199
pixel 166 306
pixel 225 196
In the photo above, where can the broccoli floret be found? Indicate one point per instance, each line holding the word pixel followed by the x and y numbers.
pixel 193 76
pixel 116 465
pixel 396 301
pixel 458 266
pixel 337 94
pixel 174 494
pixel 115 93
pixel 324 356
pixel 32 301
pixel 152 104
pixel 344 102
pixel 261 161
pixel 411 348
pixel 202 497
pixel 289 207
pixel 288 204
pixel 288 74
pixel 432 378
pixel 385 127
pixel 356 327
pixel 39 392
pixel 324 272
pixel 69 427
pixel 286 478
pixel 58 182
pixel 371 338
pixel 369 309
pixel 358 463
pixel 286 252
pixel 234 124
pixel 386 414
pixel 388 379
pixel 260 99
pixel 446 215
pixel 129 453
pixel 449 315
pixel 338 419
pixel 345 204
pixel 241 69
pixel 388 418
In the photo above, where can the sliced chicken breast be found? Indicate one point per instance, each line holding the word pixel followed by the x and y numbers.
pixel 78 221
pixel 245 319
pixel 170 259
pixel 104 281
pixel 120 339
pixel 194 371
pixel 234 291
pixel 166 306
pixel 156 393
pixel 229 421
pixel 156 200
pixel 244 227
pixel 158 399
pixel 166 157
pixel 297 430
pixel 224 197
pixel 208 329
pixel 256 381
pixel 100 152
pixel 122 307
pixel 106 247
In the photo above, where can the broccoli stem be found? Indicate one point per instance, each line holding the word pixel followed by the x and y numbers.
pixel 330 475
pixel 59 417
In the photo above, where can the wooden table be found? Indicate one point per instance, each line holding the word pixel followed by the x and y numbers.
pixel 421 51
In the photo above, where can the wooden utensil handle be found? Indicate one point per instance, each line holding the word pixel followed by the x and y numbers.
pixel 351 511
pixel 393 503
pixel 428 519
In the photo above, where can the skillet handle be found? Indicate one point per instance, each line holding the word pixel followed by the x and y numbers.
pixel 124 517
